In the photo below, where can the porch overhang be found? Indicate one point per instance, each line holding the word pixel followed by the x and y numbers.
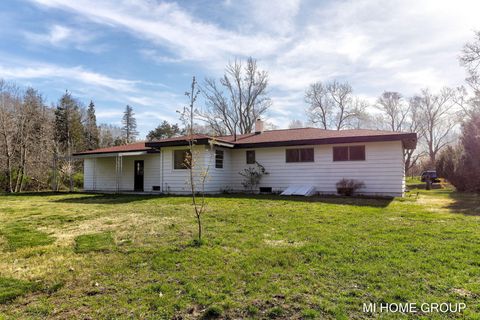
pixel 112 154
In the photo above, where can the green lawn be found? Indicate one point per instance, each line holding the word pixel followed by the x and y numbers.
pixel 102 256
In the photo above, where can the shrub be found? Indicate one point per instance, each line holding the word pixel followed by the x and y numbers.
pixel 347 187
pixel 252 176
pixel 78 180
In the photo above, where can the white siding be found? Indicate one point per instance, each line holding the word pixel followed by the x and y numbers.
pixel 219 179
pixel 382 172
pixel 99 173
pixel 177 180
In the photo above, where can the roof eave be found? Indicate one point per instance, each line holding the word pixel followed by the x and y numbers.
pixel 408 141
pixel 107 153
pixel 176 143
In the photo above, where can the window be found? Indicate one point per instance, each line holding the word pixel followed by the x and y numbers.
pixel 356 153
pixel 299 155
pixel 340 153
pixel 219 159
pixel 250 156
pixel 349 153
pixel 181 159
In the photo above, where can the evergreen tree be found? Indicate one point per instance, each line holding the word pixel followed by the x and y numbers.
pixel 69 134
pixel 91 129
pixel 164 130
pixel 129 129
pixel 470 162
pixel 461 165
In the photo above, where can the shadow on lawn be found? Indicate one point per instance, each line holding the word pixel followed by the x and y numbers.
pixel 465 203
pixel 125 198
pixel 331 199
pixel 106 198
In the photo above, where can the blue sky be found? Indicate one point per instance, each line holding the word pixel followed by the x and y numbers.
pixel 144 52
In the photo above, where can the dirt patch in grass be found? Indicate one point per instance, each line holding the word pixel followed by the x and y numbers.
pixel 11 288
pixel 125 226
pixel 284 243
pixel 94 242
pixel 19 235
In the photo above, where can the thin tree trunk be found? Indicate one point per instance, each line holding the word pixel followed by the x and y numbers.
pixel 70 174
pixel 10 174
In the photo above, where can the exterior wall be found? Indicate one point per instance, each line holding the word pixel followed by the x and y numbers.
pixel 382 171
pixel 218 179
pixel 99 173
pixel 176 180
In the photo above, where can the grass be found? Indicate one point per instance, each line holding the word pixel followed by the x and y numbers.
pixel 11 288
pixel 266 257
pixel 94 242
pixel 20 235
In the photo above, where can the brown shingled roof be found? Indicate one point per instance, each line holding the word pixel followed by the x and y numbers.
pixel 285 137
pixel 301 134
pixel 132 147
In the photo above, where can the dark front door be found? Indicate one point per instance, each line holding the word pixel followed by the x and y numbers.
pixel 138 175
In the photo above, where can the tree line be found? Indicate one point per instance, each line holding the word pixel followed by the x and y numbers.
pixel 31 133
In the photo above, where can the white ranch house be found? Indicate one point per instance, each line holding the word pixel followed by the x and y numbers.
pixel 305 156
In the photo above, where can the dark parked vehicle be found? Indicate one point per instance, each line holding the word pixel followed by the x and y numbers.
pixel 430 174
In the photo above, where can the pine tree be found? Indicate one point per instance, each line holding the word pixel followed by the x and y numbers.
pixel 69 133
pixel 91 129
pixel 129 129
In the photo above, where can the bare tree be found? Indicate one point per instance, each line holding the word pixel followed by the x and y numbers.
pixel 320 109
pixel 26 137
pixel 470 59
pixel 398 115
pixel 10 103
pixel 191 162
pixel 295 124
pixel 362 118
pixel 437 116
pixel 413 123
pixel 394 108
pixel 332 105
pixel 237 100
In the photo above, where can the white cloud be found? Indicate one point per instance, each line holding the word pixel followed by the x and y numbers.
pixel 401 45
pixel 153 101
pixel 61 36
pixel 167 25
pixel 78 74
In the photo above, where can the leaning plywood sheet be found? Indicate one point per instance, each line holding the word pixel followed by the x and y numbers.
pixel 304 190
pixel 289 191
